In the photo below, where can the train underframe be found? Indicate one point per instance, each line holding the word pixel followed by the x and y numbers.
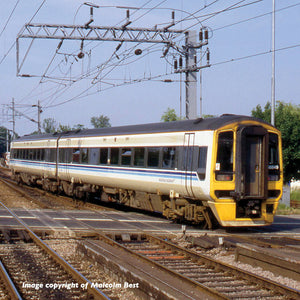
pixel 176 209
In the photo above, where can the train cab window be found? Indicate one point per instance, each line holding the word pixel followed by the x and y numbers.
pixel 168 160
pixel 202 159
pixel 273 166
pixel 75 155
pixel 94 156
pixel 103 156
pixel 84 155
pixel 114 156
pixel 224 164
pixel 139 157
pixel 126 156
pixel 153 157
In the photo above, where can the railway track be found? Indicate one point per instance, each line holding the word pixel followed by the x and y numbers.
pixel 38 272
pixel 47 200
pixel 209 275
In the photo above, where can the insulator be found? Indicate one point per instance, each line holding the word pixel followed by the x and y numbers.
pixel 173 15
pixel 138 51
pixel 195 59
pixel 180 62
pixel 175 64
pixel 208 55
pixel 91 11
pixel 206 33
pixel 127 14
pixel 201 35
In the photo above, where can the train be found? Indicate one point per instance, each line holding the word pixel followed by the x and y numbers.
pixel 223 170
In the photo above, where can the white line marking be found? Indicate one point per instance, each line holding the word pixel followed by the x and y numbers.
pixel 87 219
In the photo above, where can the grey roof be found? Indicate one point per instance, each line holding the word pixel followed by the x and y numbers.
pixel 185 125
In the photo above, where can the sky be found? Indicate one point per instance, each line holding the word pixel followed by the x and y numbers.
pixel 136 89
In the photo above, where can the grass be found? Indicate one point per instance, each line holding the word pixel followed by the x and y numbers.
pixel 286 210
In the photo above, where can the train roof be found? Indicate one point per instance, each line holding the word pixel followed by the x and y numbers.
pixel 184 125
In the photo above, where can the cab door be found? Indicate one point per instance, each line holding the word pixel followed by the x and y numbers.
pixel 188 154
pixel 252 166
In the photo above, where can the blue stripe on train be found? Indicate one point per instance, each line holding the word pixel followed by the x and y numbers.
pixel 107 169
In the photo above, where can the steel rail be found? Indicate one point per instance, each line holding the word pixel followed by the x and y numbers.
pixel 202 288
pixel 22 193
pixel 247 275
pixel 66 266
pixel 9 285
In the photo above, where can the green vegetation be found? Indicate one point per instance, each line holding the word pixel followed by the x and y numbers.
pixel 50 126
pixel 100 122
pixel 287 120
pixel 169 115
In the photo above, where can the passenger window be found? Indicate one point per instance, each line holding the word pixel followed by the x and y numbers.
pixel 139 157
pixel 153 157
pixel 202 162
pixel 42 154
pixel 103 156
pixel 84 155
pixel 94 156
pixel 169 157
pixel 114 156
pixel 52 156
pixel 75 155
pixel 126 156
pixel 224 164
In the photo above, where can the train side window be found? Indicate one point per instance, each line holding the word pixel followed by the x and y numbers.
pixel 84 153
pixel 42 154
pixel 26 154
pixel 65 155
pixel 202 159
pixel 168 161
pixel 94 156
pixel 103 156
pixel 114 156
pixel 273 166
pixel 52 155
pixel 153 157
pixel 126 156
pixel 38 154
pixel 139 157
pixel 75 155
pixel 224 164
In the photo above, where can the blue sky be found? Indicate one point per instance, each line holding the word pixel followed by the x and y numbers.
pixel 233 83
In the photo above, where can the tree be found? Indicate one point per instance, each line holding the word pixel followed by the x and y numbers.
pixel 49 125
pixel 287 120
pixel 78 126
pixel 63 128
pixel 100 122
pixel 169 115
pixel 3 142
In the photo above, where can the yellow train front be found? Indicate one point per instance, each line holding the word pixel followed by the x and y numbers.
pixel 246 173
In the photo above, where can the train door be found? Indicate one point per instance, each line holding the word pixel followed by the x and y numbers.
pixel 65 159
pixel 47 164
pixel 253 167
pixel 188 154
